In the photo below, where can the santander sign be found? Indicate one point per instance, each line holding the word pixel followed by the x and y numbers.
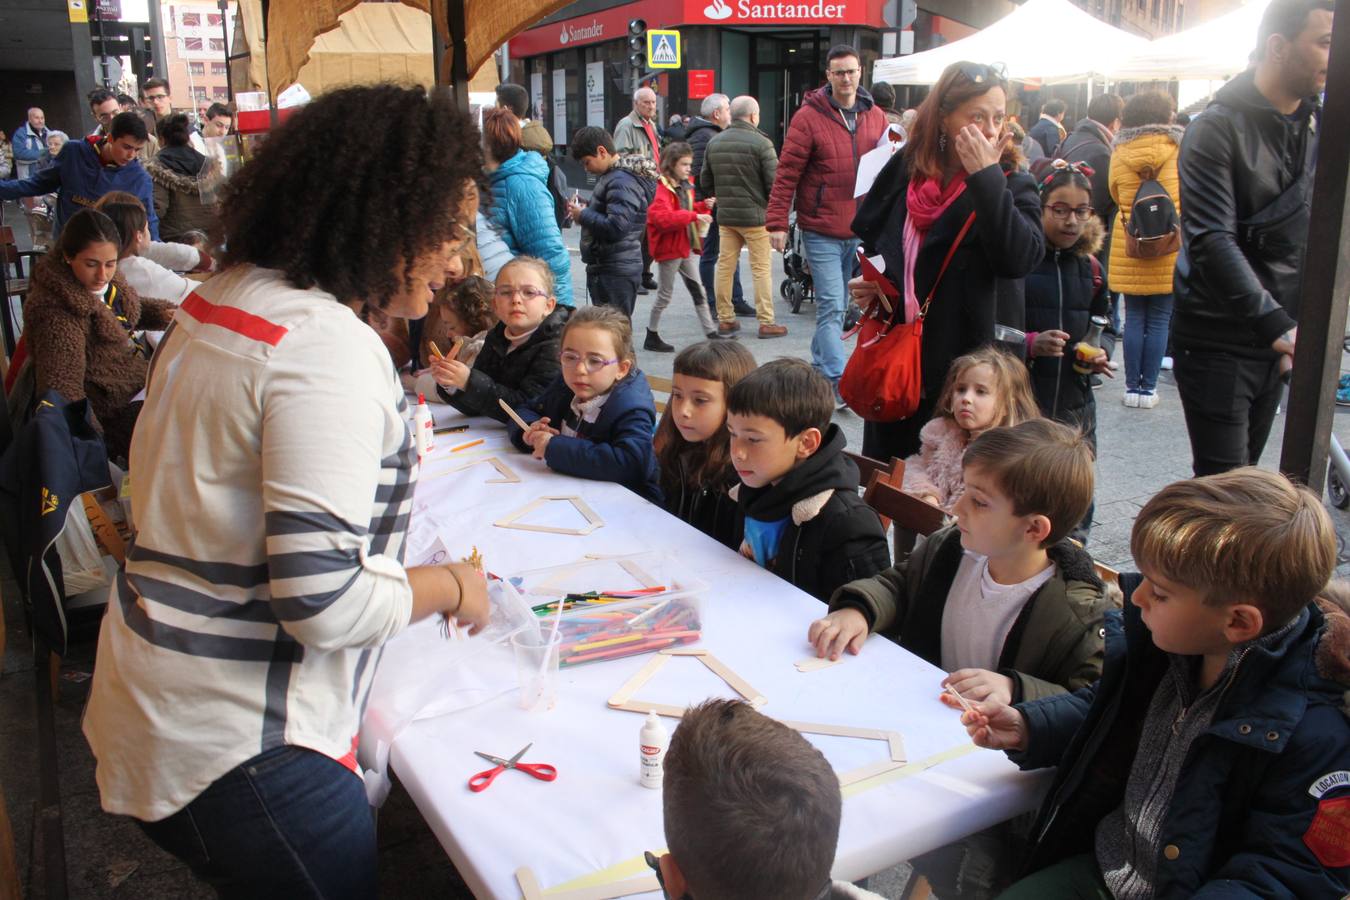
pixel 763 12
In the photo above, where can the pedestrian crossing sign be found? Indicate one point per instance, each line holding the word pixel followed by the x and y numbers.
pixel 663 49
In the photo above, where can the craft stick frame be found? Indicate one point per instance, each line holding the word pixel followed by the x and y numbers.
pixel 593 520
pixel 531 890
pixel 508 475
pixel 623 699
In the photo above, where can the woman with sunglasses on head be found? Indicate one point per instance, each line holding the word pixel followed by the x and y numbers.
pixel 959 169
pixel 274 478
pixel 1145 149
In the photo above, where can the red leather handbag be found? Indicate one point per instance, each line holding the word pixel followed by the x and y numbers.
pixel 883 379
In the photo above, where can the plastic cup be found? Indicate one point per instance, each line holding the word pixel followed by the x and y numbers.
pixel 537 668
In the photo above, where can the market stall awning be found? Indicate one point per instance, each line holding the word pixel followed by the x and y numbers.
pixel 373 42
pixel 1216 50
pixel 1051 41
pixel 293 26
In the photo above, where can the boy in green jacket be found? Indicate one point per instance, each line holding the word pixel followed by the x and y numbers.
pixel 1001 600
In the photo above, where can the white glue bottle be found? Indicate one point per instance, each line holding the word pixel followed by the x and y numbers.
pixel 424 430
pixel 652 743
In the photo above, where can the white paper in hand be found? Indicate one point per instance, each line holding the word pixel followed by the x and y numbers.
pixel 873 161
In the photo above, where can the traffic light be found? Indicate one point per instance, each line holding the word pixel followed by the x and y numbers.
pixel 637 43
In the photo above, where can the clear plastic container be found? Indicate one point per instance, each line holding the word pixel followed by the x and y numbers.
pixel 616 607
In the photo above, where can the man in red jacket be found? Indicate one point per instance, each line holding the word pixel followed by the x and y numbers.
pixel 834 127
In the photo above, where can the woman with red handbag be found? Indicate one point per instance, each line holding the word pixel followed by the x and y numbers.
pixel 950 215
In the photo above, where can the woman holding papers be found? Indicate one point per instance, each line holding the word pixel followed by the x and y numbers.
pixel 958 169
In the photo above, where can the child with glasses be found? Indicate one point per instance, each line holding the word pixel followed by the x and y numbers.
pixel 597 419
pixel 1062 295
pixel 520 354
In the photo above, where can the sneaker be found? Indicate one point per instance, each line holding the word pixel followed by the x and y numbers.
pixel 713 335
pixel 643 289
pixel 1148 399
pixel 772 331
pixel 655 344
pixel 1132 399
pixel 726 328
pixel 743 309
pixel 1167 363
pixel 649 281
pixel 1095 381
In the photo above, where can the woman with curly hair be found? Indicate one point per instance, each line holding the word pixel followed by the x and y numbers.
pixel 275 475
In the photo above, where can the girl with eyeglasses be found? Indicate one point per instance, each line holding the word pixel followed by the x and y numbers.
pixel 597 419
pixel 1062 295
pixel 520 354
pixel 954 193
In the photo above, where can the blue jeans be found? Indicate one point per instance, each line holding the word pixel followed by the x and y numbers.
pixel 707 269
pixel 1147 320
pixel 831 261
pixel 289 822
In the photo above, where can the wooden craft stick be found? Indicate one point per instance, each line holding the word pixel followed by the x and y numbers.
pixel 853 776
pixel 965 704
pixel 457 346
pixel 685 651
pixel 628 888
pixel 737 683
pixel 815 663
pixel 661 709
pixel 506 407
pixel 529 884
pixel 435 351
pixel 897 742
pixel 874 734
pixel 642 676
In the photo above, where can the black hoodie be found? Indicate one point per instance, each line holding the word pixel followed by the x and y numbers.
pixel 832 537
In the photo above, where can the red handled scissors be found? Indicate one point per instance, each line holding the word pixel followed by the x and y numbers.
pixel 542 771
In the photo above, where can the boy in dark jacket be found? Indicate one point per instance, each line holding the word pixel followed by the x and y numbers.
pixel 1001 599
pixel 804 520
pixel 613 222
pixel 1212 759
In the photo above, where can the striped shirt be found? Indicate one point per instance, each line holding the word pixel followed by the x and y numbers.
pixel 273 472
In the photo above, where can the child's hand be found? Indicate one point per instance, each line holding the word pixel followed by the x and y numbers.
pixel 931 498
pixel 450 372
pixel 574 208
pixel 710 202
pixel 843 629
pixel 538 435
pixel 474 609
pixel 977 684
pixel 1102 365
pixel 995 726
pixel 1049 343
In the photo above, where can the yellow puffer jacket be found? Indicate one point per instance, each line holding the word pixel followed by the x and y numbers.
pixel 1134 153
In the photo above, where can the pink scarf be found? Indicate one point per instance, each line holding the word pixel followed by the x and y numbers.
pixel 926 200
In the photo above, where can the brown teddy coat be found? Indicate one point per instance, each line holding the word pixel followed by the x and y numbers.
pixel 80 349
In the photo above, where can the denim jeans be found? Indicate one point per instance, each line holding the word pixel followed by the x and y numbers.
pixel 1147 320
pixel 707 267
pixel 613 289
pixel 289 823
pixel 831 261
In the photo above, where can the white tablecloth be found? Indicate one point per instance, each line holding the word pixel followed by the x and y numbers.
pixel 596 815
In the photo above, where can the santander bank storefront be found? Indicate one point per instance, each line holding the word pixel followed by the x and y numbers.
pixel 575 67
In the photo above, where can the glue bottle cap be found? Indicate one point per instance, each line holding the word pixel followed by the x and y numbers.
pixel 421 400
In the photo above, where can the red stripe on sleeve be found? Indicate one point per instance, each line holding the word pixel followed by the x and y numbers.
pixel 232 318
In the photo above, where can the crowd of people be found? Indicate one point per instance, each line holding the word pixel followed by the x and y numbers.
pixel 1196 710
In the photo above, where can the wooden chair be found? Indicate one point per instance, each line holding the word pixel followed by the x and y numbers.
pixel 661 386
pixel 869 468
pixel 904 510
pixel 13 286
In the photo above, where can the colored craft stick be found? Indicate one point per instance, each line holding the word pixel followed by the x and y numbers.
pixel 457 346
pixel 468 445
pixel 616 652
pixel 435 351
pixel 607 642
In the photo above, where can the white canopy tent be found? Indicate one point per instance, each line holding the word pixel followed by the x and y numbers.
pixel 1214 51
pixel 1051 41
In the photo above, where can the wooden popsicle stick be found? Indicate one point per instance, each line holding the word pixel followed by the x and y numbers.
pixel 737 683
pixel 643 707
pixel 530 888
pixel 506 407
pixel 685 651
pixel 897 742
pixel 610 891
pixel 875 734
pixel 815 663
pixel 871 769
pixel 643 675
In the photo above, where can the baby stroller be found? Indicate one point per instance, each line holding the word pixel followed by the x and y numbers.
pixel 797 287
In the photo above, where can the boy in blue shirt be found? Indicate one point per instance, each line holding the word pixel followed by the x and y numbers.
pixel 1213 756
pixel 804 520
